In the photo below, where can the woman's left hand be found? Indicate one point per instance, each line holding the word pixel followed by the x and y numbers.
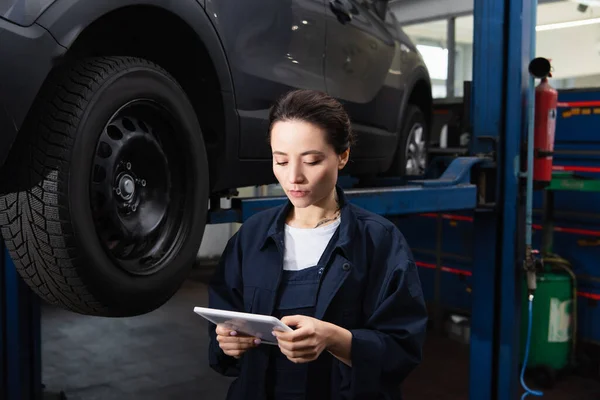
pixel 306 342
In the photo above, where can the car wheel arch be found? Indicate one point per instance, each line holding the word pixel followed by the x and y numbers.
pixel 59 19
pixel 420 79
pixel 69 22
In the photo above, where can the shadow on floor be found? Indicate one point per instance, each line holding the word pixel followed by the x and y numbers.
pixel 162 356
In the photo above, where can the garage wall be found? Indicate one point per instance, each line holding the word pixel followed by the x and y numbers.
pixel 574 51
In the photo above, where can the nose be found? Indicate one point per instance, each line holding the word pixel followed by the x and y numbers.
pixel 295 173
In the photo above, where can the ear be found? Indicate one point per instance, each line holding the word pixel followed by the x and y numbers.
pixel 343 159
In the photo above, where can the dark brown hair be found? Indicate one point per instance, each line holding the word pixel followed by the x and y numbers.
pixel 319 109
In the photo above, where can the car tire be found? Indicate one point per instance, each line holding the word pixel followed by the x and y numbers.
pixel 105 195
pixel 412 144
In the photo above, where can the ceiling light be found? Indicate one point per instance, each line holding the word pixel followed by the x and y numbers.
pixel 569 24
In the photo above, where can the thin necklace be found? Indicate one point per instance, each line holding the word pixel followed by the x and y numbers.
pixel 336 215
pixel 326 220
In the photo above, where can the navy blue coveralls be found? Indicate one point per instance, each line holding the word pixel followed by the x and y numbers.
pixel 366 281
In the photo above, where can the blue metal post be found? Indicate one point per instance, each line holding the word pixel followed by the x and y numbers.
pixel 487 111
pixel 502 45
pixel 519 119
pixel 20 335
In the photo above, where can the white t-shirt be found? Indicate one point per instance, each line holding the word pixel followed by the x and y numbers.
pixel 304 247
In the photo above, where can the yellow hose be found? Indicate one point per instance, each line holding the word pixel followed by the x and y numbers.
pixel 563 264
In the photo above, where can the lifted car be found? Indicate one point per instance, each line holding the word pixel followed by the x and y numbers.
pixel 119 119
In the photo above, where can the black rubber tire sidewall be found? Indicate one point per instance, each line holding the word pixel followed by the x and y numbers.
pixel 413 115
pixel 111 285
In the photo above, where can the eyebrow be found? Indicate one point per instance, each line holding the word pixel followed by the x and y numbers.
pixel 306 153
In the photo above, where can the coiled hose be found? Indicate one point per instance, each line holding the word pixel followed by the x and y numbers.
pixel 527 343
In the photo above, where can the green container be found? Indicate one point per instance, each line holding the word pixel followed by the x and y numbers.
pixel 551 332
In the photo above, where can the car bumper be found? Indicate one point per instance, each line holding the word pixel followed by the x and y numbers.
pixel 27 54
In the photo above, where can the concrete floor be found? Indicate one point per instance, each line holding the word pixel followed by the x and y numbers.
pixel 162 356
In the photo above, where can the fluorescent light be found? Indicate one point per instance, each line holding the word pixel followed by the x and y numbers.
pixel 569 24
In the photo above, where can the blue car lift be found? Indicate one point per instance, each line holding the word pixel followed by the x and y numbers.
pixel 487 182
pixel 20 335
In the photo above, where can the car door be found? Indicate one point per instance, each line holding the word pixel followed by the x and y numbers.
pixel 361 70
pixel 273 46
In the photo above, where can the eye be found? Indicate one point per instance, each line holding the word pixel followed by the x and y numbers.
pixel 281 163
pixel 314 162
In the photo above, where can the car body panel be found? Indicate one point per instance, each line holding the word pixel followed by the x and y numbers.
pixel 359 58
pixel 260 50
pixel 273 46
pixel 32 52
pixel 66 19
pixel 23 12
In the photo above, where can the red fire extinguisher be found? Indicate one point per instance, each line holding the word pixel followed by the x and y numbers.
pixel 546 100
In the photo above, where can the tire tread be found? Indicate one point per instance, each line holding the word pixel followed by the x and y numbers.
pixel 35 222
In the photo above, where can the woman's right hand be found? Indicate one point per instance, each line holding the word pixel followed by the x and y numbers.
pixel 233 343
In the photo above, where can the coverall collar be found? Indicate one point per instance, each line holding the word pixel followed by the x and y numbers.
pixel 347 226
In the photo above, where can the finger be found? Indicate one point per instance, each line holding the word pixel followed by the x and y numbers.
pixel 235 339
pixel 293 320
pixel 236 346
pixel 300 357
pixel 224 330
pixel 234 353
pixel 309 354
pixel 230 338
pixel 300 360
pixel 304 345
pixel 294 336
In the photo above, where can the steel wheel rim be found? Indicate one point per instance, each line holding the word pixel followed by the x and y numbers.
pixel 415 150
pixel 138 188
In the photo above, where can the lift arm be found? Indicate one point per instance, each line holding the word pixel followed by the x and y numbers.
pixel 452 191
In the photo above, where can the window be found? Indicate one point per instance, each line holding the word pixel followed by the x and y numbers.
pixel 463 64
pixel 431 41
pixel 569 35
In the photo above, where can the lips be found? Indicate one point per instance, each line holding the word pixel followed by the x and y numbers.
pixel 298 193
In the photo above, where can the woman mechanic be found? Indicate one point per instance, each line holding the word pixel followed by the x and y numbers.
pixel 342 277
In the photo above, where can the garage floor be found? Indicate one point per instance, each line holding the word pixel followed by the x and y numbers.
pixel 162 355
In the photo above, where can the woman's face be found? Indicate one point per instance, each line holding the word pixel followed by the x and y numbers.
pixel 304 163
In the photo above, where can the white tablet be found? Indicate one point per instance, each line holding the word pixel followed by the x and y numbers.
pixel 257 325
